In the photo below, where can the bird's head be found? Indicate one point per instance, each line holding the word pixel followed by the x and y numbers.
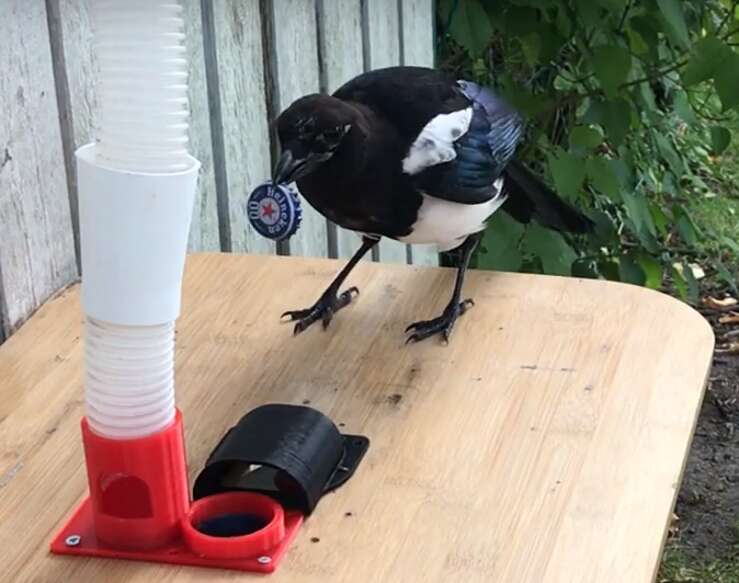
pixel 310 132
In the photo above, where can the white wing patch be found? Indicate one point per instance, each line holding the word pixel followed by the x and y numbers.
pixel 447 223
pixel 435 144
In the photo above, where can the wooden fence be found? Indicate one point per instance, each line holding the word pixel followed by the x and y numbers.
pixel 248 60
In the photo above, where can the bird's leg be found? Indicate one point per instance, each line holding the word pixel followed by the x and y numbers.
pixel 330 301
pixel 443 324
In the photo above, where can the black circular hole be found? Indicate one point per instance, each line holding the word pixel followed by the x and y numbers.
pixel 232 524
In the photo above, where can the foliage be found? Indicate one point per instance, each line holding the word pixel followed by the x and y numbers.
pixel 631 109
pixel 679 568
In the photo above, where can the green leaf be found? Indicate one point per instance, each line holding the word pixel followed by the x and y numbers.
pixel 727 82
pixel 731 244
pixel 531 46
pixel 636 42
pixel 720 139
pixel 672 11
pixel 563 21
pixel 551 42
pixel 519 20
pixel 652 270
pixel 660 219
pixel 588 12
pixel 669 154
pixel 602 176
pixel 686 229
pixel 551 248
pixel 525 101
pixel 708 56
pixel 630 271
pixel 585 137
pixel 650 102
pixel 624 172
pixel 611 65
pixel 613 5
pixel 727 276
pixel 605 230
pixel 585 267
pixel 670 185
pixel 679 280
pixel 647 29
pixel 637 209
pixel 568 172
pixel 692 292
pixel 609 269
pixel 500 244
pixel 683 108
pixel 614 116
pixel 470 26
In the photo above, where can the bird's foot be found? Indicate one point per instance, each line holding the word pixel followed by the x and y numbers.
pixel 442 325
pixel 324 309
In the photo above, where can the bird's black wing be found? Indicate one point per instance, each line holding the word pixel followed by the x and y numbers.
pixel 482 152
pixel 411 98
pixel 468 162
pixel 407 97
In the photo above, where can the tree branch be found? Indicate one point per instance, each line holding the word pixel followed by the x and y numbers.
pixel 728 15
pixel 626 11
pixel 656 75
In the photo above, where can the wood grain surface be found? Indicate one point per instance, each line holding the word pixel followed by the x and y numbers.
pixel 545 444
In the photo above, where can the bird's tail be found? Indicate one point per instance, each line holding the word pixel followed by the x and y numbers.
pixel 529 198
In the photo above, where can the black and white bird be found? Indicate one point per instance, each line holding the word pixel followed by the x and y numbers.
pixel 414 155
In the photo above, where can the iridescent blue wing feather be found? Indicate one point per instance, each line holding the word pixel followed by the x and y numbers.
pixel 482 153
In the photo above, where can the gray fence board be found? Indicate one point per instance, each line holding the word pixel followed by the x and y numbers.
pixel 37 249
pixel 204 232
pixel 81 67
pixel 240 123
pixel 296 74
pixel 382 49
pixel 417 34
pixel 417 47
pixel 342 58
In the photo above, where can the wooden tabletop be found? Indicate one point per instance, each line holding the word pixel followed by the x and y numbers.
pixel 545 444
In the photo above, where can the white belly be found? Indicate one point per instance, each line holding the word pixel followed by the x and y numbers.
pixel 447 224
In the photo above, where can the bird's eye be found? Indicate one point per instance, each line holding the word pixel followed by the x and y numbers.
pixel 333 134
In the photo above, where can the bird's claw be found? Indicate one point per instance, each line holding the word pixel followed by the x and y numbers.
pixel 442 325
pixel 324 309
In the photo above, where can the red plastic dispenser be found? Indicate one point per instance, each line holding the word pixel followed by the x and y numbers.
pixel 265 475
pixel 137 185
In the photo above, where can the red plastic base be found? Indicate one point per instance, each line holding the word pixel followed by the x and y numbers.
pixel 81 525
pixel 139 509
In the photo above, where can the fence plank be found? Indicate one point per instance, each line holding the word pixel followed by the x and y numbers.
pixel 239 119
pixel 417 34
pixel 381 22
pixel 417 47
pixel 295 67
pixel 342 58
pixel 204 232
pixel 37 252
pixel 81 72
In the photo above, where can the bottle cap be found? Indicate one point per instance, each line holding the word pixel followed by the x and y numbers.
pixel 274 210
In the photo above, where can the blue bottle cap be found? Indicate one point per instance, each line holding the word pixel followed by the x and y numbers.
pixel 274 211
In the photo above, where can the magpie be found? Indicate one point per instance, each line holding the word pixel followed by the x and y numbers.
pixel 414 155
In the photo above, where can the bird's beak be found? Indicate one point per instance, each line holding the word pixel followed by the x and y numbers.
pixel 289 169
